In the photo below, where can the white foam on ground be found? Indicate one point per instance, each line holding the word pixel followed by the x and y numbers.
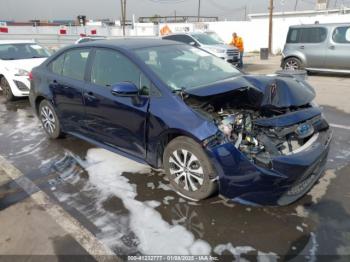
pixel 155 235
pixel 167 200
pixel 320 189
pixel 301 211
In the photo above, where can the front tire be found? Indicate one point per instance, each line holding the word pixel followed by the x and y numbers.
pixel 6 90
pixel 49 120
pixel 292 63
pixel 189 169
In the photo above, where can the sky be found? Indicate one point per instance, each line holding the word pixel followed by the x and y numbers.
pixel 24 10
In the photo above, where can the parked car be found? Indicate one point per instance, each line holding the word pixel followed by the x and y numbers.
pixel 89 39
pixel 214 35
pixel 17 58
pixel 256 139
pixel 318 47
pixel 207 42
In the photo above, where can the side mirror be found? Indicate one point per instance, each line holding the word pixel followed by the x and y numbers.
pixel 193 43
pixel 125 89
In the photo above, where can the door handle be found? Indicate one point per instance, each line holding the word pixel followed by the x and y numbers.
pixel 332 47
pixel 302 47
pixel 89 96
pixel 54 83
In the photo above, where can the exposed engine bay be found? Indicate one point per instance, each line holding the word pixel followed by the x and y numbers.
pixel 241 122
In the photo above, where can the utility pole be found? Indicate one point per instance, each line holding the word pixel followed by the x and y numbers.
pixel 199 9
pixel 123 13
pixel 270 26
pixel 296 5
pixel 124 22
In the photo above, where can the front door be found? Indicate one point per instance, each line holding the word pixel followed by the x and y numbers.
pixel 116 120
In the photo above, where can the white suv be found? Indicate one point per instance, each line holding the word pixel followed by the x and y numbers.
pixel 17 58
pixel 208 42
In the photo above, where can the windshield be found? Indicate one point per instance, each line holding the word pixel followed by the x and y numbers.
pixel 186 67
pixel 206 39
pixel 215 37
pixel 22 51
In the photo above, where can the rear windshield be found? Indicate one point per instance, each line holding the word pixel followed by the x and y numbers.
pixel 22 51
pixel 307 35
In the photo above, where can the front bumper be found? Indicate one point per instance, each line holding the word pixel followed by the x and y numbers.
pixel 290 177
pixel 20 85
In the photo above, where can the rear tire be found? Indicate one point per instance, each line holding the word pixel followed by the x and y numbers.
pixel 189 169
pixel 49 120
pixel 292 63
pixel 6 90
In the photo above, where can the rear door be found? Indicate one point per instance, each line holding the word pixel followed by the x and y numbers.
pixel 66 82
pixel 338 49
pixel 114 120
pixel 312 43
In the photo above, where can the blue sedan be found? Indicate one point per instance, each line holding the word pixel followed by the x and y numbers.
pixel 211 128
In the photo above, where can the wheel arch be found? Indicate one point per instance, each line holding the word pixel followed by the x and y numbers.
pixel 301 58
pixel 37 102
pixel 164 139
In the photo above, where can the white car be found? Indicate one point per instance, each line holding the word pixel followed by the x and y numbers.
pixel 17 58
pixel 86 39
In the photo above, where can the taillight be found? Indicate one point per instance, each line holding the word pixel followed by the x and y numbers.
pixel 30 76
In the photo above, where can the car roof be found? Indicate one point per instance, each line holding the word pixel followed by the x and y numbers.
pixel 6 42
pixel 188 33
pixel 131 43
pixel 318 25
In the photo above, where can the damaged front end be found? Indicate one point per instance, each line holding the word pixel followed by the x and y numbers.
pixel 272 141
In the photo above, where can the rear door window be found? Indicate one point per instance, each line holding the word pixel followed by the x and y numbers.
pixel 293 35
pixel 341 35
pixel 313 35
pixel 75 63
pixel 56 66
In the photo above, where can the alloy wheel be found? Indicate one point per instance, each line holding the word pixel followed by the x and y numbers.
pixel 291 65
pixel 186 170
pixel 48 119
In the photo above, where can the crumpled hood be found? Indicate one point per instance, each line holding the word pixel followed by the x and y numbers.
pixel 274 91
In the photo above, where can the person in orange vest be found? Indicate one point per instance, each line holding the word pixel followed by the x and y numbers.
pixel 237 41
pixel 165 30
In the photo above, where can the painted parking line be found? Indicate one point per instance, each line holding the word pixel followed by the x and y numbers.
pixel 72 226
pixel 340 126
